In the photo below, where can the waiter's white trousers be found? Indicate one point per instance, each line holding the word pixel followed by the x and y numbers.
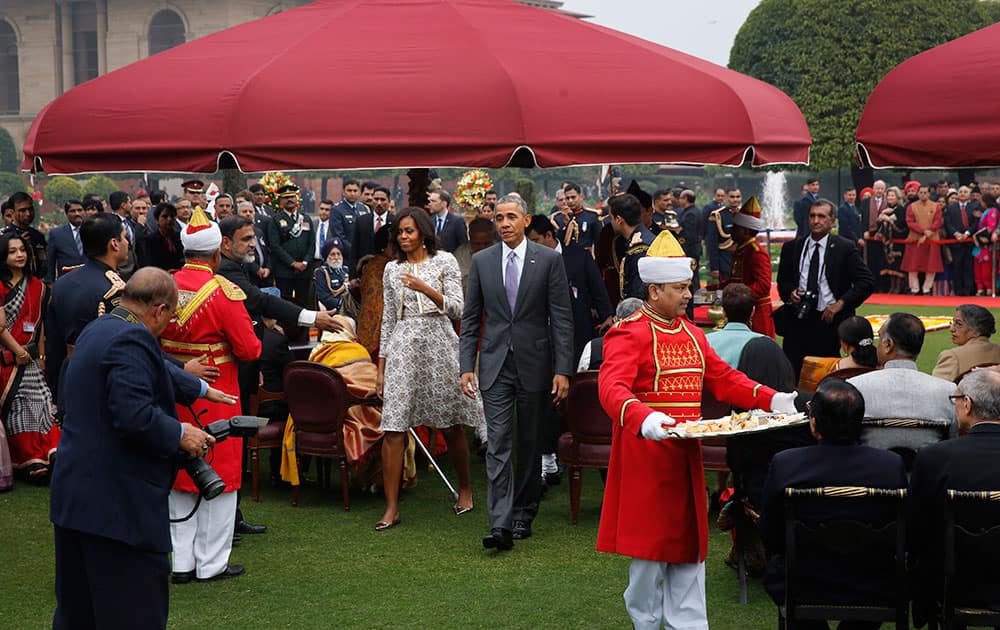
pixel 203 542
pixel 667 594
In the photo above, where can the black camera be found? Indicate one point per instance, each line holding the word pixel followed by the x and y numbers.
pixel 209 483
pixel 807 304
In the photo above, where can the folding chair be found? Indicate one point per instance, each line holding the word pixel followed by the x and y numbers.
pixel 854 543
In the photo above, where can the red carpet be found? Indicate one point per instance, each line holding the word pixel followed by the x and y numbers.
pixel 944 301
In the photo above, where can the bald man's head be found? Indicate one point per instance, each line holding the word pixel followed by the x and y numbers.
pixel 150 286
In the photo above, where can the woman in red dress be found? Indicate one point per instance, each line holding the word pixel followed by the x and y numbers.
pixel 26 402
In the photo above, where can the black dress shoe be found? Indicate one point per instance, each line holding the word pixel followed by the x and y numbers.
pixel 499 539
pixel 522 530
pixel 553 478
pixel 231 571
pixel 182 578
pixel 246 528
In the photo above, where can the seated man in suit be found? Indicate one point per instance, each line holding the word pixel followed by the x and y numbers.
pixel 899 390
pixel 838 460
pixel 967 463
pixel 65 249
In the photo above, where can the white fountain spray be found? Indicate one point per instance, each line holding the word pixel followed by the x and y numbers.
pixel 774 200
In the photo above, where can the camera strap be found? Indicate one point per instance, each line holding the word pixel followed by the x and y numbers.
pixel 197 502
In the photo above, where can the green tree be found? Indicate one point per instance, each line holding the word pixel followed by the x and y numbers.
pixel 526 188
pixel 828 56
pixel 8 153
pixel 100 185
pixel 10 183
pixel 61 189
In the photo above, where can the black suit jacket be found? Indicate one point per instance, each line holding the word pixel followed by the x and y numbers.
pixel 61 252
pixel 539 332
pixel 965 463
pixel 155 252
pixel 120 434
pixel 364 236
pixel 800 212
pixel 953 221
pixel 845 270
pixel 586 292
pixel 454 233
pixel 827 465
pixel 258 303
pixel 849 221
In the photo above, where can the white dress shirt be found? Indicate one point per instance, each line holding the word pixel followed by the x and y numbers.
pixel 825 293
pixel 520 251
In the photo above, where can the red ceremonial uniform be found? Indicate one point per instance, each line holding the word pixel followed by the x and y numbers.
pixel 752 267
pixel 212 320
pixel 655 505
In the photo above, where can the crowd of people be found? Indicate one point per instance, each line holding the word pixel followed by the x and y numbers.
pixel 456 323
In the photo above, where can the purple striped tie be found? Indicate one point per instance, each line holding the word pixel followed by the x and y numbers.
pixel 510 281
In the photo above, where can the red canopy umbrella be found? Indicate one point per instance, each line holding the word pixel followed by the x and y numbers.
pixel 905 125
pixel 391 83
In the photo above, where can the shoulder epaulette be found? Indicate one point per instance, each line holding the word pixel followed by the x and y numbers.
pixel 230 289
pixel 117 284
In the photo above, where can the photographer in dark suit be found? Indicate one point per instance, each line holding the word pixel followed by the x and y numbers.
pixel 821 279
pixel 116 465
pixel 525 348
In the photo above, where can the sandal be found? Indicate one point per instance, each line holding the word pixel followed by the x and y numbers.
pixel 36 473
pixel 462 509
pixel 381 526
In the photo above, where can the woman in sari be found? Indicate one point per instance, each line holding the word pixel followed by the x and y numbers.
pixel 351 360
pixel 26 403
pixel 857 344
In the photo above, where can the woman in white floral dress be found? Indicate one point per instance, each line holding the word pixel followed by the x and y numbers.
pixel 418 357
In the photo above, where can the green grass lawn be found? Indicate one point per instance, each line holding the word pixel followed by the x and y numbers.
pixel 321 567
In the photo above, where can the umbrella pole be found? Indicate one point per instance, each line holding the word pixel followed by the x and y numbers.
pixel 430 458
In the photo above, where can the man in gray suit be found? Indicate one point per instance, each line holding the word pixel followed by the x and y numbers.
pixel 525 355
pixel 899 390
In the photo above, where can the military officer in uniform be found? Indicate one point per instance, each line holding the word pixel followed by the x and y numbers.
pixel 292 242
pixel 626 218
pixel 752 265
pixel 194 191
pixel 719 240
pixel 582 225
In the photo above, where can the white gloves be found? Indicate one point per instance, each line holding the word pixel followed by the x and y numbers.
pixel 652 426
pixel 783 403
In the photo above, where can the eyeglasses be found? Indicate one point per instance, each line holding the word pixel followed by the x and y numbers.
pixel 956 397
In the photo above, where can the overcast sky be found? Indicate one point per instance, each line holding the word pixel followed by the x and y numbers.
pixel 703 28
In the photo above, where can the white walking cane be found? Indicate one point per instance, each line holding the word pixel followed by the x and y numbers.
pixel 430 458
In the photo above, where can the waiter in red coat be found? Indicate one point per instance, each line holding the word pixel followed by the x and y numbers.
pixel 752 265
pixel 212 322
pixel 655 511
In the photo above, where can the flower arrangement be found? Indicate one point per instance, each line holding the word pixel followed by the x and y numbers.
pixel 471 188
pixel 271 183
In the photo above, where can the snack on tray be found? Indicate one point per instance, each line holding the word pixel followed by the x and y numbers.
pixel 747 421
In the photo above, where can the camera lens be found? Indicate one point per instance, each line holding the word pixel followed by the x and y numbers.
pixel 209 484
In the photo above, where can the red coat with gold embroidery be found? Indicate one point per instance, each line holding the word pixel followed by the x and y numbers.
pixel 752 267
pixel 655 505
pixel 212 321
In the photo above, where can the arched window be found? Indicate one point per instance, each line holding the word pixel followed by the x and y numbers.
pixel 10 94
pixel 165 31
